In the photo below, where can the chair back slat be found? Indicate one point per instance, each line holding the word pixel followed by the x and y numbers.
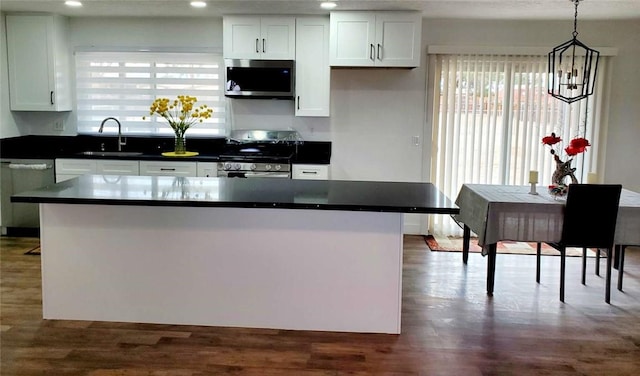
pixel 590 215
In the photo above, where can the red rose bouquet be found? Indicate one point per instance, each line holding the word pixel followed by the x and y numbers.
pixel 563 169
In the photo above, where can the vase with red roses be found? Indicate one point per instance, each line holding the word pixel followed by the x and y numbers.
pixel 563 169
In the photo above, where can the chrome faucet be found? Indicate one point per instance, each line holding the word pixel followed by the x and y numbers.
pixel 120 142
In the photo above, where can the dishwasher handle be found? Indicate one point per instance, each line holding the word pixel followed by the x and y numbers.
pixel 29 166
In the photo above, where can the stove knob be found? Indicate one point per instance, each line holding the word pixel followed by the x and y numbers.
pixel 253 166
pixel 236 166
pixel 227 166
pixel 267 167
pixel 278 167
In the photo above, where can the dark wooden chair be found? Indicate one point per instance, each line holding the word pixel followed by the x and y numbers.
pixel 618 263
pixel 589 222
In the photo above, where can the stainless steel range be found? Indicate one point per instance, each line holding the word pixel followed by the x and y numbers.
pixel 258 153
pixel 254 170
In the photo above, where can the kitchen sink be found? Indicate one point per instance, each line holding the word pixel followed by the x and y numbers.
pixel 111 153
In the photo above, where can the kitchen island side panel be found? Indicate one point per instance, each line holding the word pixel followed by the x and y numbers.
pixel 241 267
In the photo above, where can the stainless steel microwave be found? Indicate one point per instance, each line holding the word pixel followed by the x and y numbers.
pixel 259 78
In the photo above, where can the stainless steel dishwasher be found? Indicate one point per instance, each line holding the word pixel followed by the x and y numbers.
pixel 18 175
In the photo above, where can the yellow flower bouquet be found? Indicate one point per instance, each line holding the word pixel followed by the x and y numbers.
pixel 181 114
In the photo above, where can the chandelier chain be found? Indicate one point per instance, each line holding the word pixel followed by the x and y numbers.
pixel 575 19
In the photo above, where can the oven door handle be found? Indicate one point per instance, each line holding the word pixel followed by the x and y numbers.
pixel 254 174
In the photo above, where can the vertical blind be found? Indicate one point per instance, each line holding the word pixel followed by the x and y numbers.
pixel 490 114
pixel 124 84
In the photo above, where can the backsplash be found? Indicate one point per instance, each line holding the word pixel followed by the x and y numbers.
pixel 275 114
pixel 267 114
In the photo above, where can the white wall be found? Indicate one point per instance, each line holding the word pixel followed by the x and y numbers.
pixel 376 112
pixel 375 116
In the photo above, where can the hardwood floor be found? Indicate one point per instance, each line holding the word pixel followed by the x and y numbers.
pixel 449 327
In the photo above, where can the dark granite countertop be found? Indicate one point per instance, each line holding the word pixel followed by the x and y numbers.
pixel 245 193
pixel 52 147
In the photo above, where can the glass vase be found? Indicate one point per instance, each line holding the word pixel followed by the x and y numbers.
pixel 180 144
pixel 562 172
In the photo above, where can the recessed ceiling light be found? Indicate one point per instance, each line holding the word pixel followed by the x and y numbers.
pixel 328 5
pixel 198 4
pixel 70 3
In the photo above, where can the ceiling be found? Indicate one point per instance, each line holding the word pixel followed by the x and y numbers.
pixel 469 9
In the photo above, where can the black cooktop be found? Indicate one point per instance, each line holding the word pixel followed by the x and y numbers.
pixel 257 152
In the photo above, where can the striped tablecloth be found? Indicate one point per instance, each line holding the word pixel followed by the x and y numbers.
pixel 509 212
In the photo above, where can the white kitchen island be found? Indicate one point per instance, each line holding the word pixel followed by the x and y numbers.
pixel 265 253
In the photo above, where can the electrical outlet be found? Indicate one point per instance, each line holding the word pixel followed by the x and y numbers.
pixel 58 125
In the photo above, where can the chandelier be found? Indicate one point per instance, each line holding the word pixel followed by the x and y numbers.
pixel 572 67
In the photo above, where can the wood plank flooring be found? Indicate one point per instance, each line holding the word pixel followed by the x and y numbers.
pixel 449 327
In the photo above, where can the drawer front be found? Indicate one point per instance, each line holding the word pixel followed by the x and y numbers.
pixel 207 169
pixel 117 167
pixel 75 166
pixel 151 168
pixel 310 172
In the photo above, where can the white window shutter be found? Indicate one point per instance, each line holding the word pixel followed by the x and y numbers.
pixel 124 84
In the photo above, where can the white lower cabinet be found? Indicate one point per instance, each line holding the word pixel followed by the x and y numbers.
pixel 70 168
pixel 169 168
pixel 186 169
pixel 310 172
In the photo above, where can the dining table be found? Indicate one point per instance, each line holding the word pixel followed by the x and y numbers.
pixel 517 213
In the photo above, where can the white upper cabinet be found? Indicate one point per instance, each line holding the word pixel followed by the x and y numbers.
pixel 265 37
pixel 313 74
pixel 375 39
pixel 38 60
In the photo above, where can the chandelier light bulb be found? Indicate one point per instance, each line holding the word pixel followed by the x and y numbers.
pixel 198 4
pixel 327 5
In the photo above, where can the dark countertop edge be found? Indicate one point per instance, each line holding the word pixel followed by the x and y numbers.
pixel 145 157
pixel 254 205
pixel 157 157
pixel 154 157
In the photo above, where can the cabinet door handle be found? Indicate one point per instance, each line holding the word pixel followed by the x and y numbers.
pixel 298 102
pixel 167 169
pixel 379 50
pixel 372 51
pixel 263 45
pixel 257 45
pixel 51 97
pixel 310 172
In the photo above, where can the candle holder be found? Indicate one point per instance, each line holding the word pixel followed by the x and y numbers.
pixel 533 180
